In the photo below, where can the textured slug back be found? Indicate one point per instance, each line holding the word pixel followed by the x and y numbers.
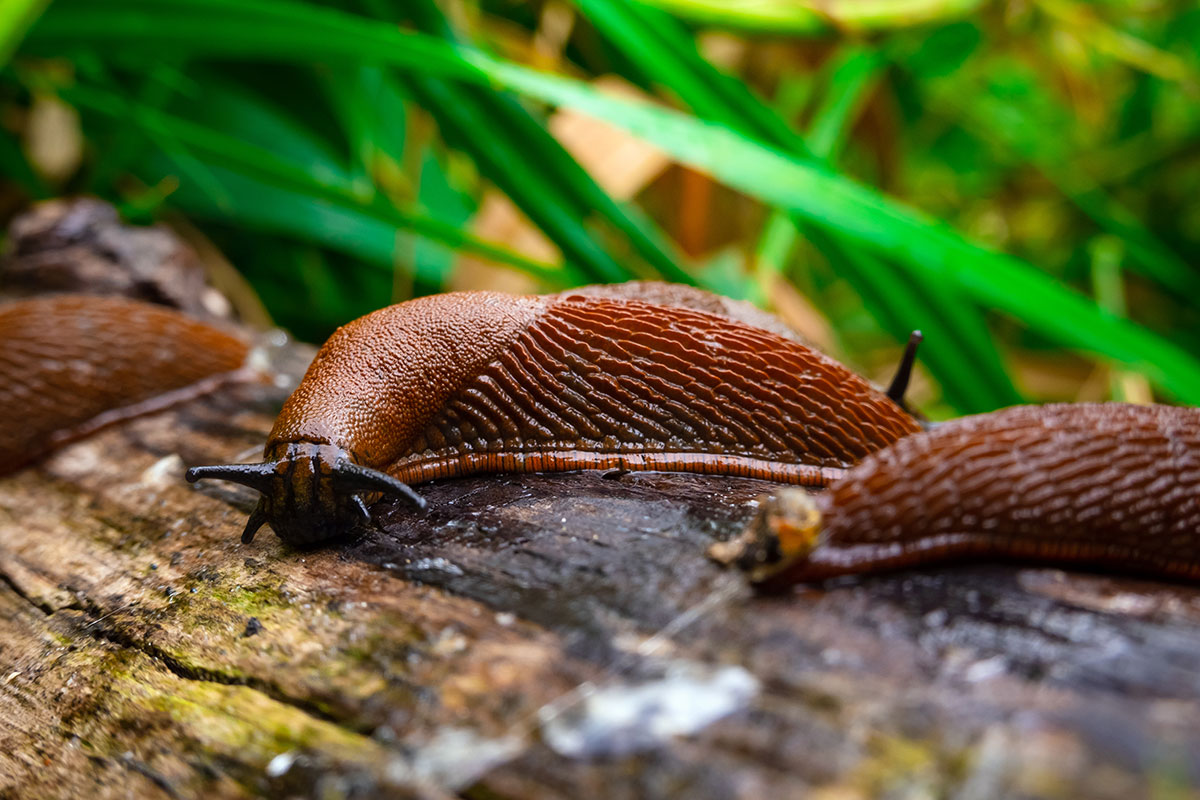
pixel 597 382
pixel 662 293
pixel 66 360
pixel 377 381
pixel 1094 482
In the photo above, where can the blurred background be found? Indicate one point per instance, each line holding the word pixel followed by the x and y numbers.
pixel 1020 180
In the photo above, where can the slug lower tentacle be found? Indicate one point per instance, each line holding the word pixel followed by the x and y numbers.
pixel 473 382
pixel 1111 485
pixel 310 492
pixel 71 364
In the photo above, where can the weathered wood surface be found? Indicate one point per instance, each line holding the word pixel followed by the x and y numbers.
pixel 145 652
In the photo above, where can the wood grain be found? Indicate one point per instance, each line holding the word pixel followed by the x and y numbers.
pixel 391 665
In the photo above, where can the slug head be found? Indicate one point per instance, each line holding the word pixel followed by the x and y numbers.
pixel 786 530
pixel 310 492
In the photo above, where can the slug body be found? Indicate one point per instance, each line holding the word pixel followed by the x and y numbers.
pixel 71 364
pixel 1111 485
pixel 474 382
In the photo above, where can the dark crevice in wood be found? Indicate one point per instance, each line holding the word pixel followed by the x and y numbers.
pixel 129 762
pixel 179 669
pixel 45 608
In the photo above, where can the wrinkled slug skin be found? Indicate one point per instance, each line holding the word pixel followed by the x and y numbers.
pixel 66 360
pixel 476 381
pixel 1112 485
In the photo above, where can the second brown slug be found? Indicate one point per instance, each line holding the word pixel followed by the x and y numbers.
pixel 1111 485
pixel 484 382
pixel 71 364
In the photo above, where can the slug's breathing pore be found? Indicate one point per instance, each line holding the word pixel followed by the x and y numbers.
pixel 472 382
pixel 1110 485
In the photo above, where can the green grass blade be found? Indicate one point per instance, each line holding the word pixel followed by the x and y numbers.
pixel 370 113
pixel 567 183
pixel 259 29
pixel 958 347
pixel 460 118
pixel 208 28
pixel 853 72
pixel 247 159
pixel 1007 125
pixel 666 53
pixel 15 18
pixel 956 334
pixel 911 239
pixel 797 17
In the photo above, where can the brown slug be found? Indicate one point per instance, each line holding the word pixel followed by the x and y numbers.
pixel 1109 485
pixel 71 364
pixel 474 382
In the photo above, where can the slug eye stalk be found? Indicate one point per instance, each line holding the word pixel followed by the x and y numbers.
pixel 903 374
pixel 310 494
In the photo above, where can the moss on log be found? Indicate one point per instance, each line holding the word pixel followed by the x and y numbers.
pixel 144 651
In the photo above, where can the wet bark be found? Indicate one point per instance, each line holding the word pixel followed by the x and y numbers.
pixel 144 651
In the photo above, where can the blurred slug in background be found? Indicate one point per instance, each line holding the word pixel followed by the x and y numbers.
pixel 101 321
pixel 72 364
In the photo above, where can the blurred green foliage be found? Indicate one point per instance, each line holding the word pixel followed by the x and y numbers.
pixel 1019 180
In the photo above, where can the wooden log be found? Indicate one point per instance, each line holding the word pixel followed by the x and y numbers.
pixel 145 651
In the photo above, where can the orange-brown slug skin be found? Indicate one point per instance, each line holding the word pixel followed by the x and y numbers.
pixel 1110 485
pixel 70 364
pixel 484 382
